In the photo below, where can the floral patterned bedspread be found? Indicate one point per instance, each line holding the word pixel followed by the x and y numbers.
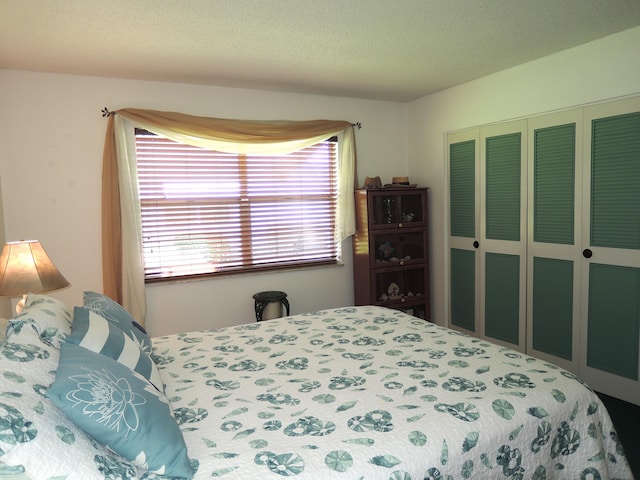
pixel 372 393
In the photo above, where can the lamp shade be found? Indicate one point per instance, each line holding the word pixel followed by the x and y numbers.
pixel 25 267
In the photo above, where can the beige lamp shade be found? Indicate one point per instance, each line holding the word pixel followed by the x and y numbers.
pixel 25 267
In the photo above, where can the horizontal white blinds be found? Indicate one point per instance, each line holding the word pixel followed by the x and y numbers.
pixel 206 212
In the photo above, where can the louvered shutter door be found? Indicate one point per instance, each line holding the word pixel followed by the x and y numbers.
pixel 554 184
pixel 503 164
pixel 615 182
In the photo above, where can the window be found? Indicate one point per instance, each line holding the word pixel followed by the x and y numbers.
pixel 208 213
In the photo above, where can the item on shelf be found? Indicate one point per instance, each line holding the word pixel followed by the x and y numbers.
pixel 400 182
pixel 393 290
pixel 408 216
pixel 372 182
pixel 386 251
pixel 389 205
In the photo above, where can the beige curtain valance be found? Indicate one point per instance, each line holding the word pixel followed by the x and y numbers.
pixel 203 129
pixel 123 277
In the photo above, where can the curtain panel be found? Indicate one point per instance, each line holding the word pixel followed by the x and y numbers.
pixel 122 257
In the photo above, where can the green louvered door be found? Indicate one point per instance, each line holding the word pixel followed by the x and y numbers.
pixel 464 231
pixel 554 253
pixel 552 205
pixel 503 234
pixel 611 263
pixel 487 242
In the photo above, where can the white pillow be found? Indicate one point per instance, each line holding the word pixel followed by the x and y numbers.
pixel 49 317
pixel 36 438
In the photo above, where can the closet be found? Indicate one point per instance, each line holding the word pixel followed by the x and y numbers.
pixel 543 251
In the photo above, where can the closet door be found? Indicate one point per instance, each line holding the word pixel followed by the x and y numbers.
pixel 464 231
pixel 487 233
pixel 554 248
pixel 611 258
pixel 503 234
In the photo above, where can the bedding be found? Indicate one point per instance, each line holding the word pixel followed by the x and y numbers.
pixel 120 409
pixel 37 441
pixel 95 333
pixel 117 316
pixel 47 316
pixel 347 393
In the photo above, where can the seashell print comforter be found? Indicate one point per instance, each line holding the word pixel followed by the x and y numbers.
pixel 372 393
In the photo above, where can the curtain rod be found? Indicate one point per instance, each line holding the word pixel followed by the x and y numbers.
pixel 106 113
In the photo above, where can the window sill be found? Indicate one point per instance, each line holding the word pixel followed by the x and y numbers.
pixel 226 275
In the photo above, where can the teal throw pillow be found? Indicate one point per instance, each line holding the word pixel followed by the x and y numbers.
pixel 93 332
pixel 116 314
pixel 121 410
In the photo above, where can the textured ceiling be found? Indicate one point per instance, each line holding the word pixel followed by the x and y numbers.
pixel 394 50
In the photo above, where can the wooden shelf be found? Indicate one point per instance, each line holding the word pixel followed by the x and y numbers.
pixel 391 250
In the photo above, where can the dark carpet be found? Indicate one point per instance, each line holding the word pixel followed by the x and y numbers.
pixel 626 418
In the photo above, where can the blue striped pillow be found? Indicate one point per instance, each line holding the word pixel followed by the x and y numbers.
pixel 93 332
pixel 115 313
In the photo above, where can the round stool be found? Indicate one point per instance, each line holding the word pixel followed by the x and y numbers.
pixel 265 298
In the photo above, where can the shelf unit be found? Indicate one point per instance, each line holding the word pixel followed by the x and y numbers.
pixel 391 250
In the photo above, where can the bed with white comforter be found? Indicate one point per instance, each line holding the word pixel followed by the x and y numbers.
pixel 348 393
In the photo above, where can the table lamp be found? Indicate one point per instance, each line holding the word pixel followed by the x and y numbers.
pixel 25 267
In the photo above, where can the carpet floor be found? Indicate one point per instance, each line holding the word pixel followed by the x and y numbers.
pixel 626 418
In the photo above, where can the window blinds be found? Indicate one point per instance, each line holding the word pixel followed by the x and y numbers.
pixel 206 212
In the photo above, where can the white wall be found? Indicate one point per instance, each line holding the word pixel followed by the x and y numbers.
pixel 597 71
pixel 51 140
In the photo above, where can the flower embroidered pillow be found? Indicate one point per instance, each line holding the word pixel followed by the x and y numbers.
pixel 35 436
pixel 121 410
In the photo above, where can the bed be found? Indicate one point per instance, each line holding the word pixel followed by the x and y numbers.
pixel 347 393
